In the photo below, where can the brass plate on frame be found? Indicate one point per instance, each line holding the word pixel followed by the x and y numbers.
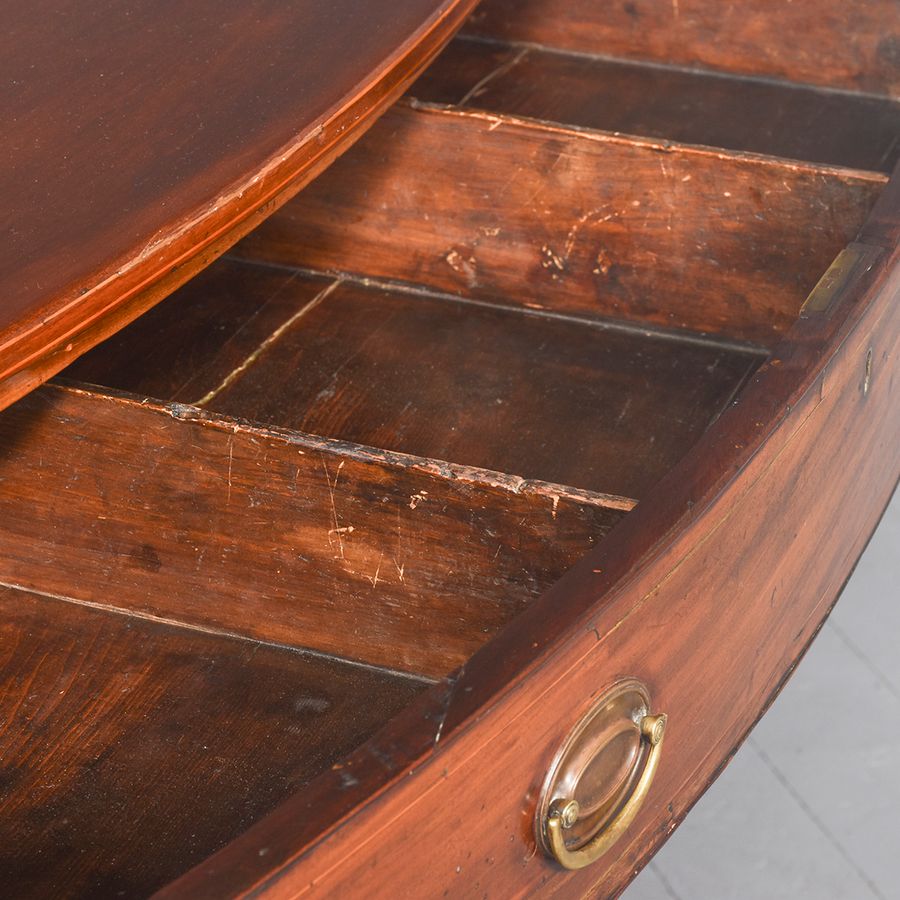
pixel 600 776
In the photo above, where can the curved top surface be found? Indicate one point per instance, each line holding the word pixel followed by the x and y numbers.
pixel 134 132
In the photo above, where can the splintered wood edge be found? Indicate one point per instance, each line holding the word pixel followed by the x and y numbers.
pixel 495 121
pixel 448 471
pixel 288 560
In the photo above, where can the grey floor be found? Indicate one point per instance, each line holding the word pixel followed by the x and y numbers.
pixel 810 806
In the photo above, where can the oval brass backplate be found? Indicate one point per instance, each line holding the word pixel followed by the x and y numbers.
pixel 599 776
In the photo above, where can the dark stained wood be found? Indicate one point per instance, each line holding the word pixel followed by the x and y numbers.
pixel 307 542
pixel 190 342
pixel 575 222
pixel 709 595
pixel 539 397
pixel 140 140
pixel 691 107
pixel 130 750
pixel 428 375
pixel 851 46
pixel 883 225
pixel 462 67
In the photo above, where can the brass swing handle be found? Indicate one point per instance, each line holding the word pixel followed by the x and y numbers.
pixel 564 813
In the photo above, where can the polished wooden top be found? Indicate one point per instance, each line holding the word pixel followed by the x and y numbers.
pixel 140 139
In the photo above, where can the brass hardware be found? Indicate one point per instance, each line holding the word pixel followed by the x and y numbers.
pixel 600 777
pixel 569 813
pixel 833 281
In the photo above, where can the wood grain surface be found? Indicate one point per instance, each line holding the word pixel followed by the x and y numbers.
pixel 141 139
pixel 189 343
pixel 848 46
pixel 429 375
pixel 557 400
pixel 492 322
pixel 383 558
pixel 568 221
pixel 131 749
pixel 659 101
pixel 710 596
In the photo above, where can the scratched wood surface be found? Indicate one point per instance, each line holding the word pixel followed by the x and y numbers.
pixel 141 139
pixel 670 103
pixel 631 302
pixel 430 376
pixel 673 587
pixel 445 380
pixel 194 339
pixel 406 563
pixel 847 46
pixel 132 749
pixel 574 222
pixel 732 572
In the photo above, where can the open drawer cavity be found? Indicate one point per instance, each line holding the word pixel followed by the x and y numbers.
pixel 243 533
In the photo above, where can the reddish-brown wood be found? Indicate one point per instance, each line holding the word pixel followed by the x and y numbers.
pixel 575 222
pixel 141 140
pixel 132 749
pixel 391 560
pixel 433 376
pixel 710 596
pixel 656 101
pixel 882 228
pixel 851 46
pixel 475 258
pixel 494 388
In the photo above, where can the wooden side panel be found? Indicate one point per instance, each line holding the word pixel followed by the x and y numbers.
pixel 883 225
pixel 373 557
pixel 712 620
pixel 657 101
pixel 551 218
pixel 131 750
pixel 853 46
pixel 511 390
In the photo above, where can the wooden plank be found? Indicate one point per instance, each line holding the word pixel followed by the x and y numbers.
pixel 658 101
pixel 850 46
pixel 883 225
pixel 585 223
pixel 543 398
pixel 307 542
pixel 189 343
pixel 709 596
pixel 427 375
pixel 118 185
pixel 131 749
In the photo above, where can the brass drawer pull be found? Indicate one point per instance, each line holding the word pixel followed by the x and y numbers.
pixel 600 777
